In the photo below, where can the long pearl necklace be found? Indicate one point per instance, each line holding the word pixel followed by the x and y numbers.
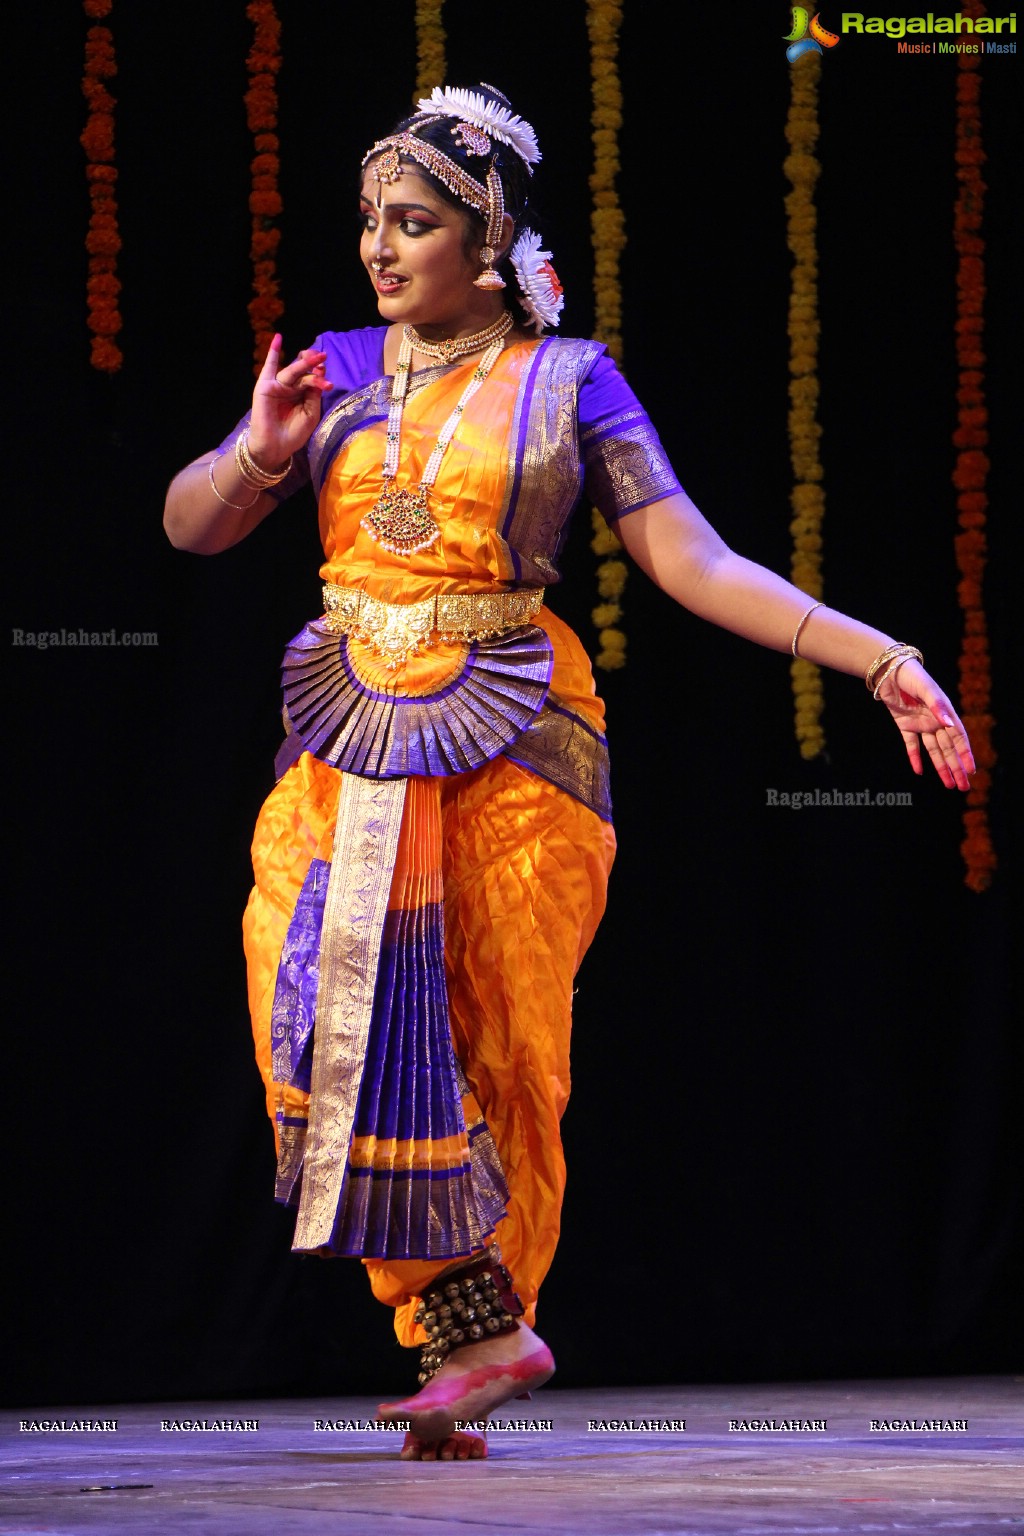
pixel 400 520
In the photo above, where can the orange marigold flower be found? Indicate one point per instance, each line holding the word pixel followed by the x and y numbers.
pixel 971 470
pixel 103 242
pixel 99 54
pixel 105 322
pixel 264 242
pixel 267 204
pixel 97 95
pixel 105 354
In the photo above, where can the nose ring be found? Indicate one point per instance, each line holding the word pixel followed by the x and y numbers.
pixel 376 265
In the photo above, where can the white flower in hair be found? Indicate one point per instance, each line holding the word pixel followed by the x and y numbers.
pixel 542 292
pixel 489 116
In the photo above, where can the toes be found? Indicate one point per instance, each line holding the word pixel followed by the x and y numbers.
pixel 412 1448
pixel 456 1447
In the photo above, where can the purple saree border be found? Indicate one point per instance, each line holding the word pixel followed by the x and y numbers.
pixel 570 714
pixel 370 419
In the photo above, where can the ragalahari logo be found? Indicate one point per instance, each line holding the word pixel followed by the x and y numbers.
pixel 808 34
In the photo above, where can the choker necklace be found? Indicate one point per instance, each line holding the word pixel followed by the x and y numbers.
pixel 459 346
pixel 400 520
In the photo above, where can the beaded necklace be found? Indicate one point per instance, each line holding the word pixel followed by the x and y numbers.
pixel 400 520
pixel 458 346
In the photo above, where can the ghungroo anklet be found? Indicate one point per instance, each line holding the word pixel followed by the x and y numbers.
pixel 465 1306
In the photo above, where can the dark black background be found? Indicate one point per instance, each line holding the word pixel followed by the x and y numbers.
pixel 793 1142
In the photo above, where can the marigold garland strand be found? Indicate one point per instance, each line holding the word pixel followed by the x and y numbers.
pixel 807 497
pixel 971 470
pixel 430 47
pixel 608 234
pixel 103 240
pixel 263 65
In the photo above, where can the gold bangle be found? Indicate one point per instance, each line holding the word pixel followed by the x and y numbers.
pixel 895 649
pixel 239 506
pixel 251 473
pixel 803 621
pixel 906 653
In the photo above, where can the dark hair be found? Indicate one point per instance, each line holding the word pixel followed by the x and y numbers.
pixel 510 165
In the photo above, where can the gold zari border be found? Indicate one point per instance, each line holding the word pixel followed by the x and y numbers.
pixel 362 863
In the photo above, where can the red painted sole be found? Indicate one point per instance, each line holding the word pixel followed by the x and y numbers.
pixel 434 1412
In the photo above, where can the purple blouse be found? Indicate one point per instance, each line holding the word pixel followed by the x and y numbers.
pixel 617 458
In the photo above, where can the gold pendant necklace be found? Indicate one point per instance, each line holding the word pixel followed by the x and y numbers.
pixel 454 347
pixel 400 520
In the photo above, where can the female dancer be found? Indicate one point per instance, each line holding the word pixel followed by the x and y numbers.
pixel 432 863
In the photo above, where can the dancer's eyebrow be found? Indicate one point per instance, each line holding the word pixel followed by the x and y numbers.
pixel 404 207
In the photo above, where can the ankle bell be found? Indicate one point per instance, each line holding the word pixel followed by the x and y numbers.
pixel 464 1307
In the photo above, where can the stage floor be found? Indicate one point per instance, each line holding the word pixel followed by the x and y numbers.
pixel 943 1456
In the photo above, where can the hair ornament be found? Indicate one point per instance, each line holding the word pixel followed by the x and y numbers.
pixel 472 110
pixel 388 154
pixel 542 294
pixel 389 165
pixel 471 139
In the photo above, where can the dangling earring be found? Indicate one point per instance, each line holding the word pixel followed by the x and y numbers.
pixel 495 213
pixel 488 277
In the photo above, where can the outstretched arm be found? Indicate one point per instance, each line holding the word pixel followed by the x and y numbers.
pixel 683 554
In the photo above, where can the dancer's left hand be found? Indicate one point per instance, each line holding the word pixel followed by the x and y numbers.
pixel 923 714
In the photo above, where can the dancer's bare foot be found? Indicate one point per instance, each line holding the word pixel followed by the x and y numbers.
pixel 455 1447
pixel 473 1381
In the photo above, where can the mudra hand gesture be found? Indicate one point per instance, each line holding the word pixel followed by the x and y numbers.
pixel 923 714
pixel 286 404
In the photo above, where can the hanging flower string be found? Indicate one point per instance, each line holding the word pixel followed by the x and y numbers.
pixel 807 498
pixel 263 65
pixel 103 240
pixel 604 18
pixel 971 470
pixel 430 47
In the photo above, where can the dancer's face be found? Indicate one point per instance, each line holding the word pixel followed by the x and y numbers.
pixel 418 251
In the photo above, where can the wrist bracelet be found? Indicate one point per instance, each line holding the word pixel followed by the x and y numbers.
pixel 911 654
pixel 250 472
pixel 239 506
pixel 796 633
pixel 883 666
pixel 870 676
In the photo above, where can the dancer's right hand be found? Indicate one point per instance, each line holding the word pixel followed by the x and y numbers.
pixel 285 405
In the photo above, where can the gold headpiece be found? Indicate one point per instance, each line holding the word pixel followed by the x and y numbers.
pixel 446 171
pixel 478 123
pixel 488 200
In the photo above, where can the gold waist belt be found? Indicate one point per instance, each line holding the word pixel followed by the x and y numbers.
pixel 397 631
